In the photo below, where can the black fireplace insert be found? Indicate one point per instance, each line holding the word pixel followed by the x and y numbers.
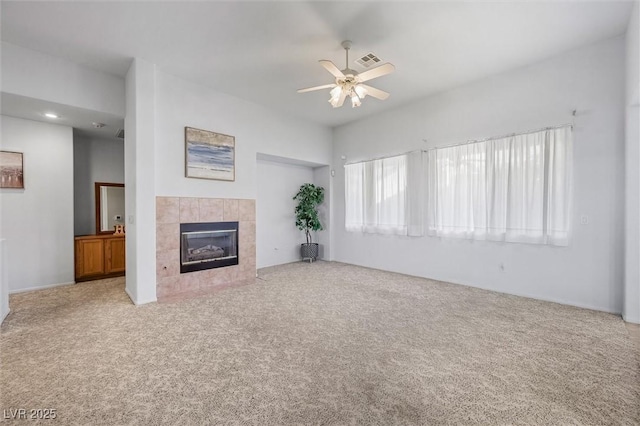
pixel 208 245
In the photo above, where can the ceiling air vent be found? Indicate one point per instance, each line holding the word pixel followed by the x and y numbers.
pixel 368 60
pixel 120 134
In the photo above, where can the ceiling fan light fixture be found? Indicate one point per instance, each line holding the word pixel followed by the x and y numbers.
pixel 360 91
pixel 335 92
pixel 355 101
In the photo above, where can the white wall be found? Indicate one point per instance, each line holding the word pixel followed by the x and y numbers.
pixel 37 222
pixel 256 129
pixel 631 309
pixel 587 273
pixel 139 177
pixel 277 238
pixel 94 160
pixel 36 75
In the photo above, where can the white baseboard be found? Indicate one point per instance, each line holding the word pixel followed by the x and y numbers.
pixel 546 299
pixel 502 291
pixel 559 301
pixel 42 287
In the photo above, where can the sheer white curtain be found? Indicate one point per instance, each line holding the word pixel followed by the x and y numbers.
pixel 525 193
pixel 515 189
pixel 375 196
pixel 385 183
pixel 458 191
pixel 559 189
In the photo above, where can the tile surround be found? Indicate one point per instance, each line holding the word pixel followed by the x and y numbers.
pixel 170 212
pixel 167 210
pixel 211 209
pixel 189 210
pixel 231 210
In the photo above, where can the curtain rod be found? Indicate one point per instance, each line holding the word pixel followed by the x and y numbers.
pixel 383 157
pixel 471 141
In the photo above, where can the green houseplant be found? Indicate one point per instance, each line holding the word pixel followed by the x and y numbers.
pixel 309 197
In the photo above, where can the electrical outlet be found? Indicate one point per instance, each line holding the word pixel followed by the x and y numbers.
pixel 584 219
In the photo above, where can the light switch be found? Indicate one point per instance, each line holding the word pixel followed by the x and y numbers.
pixel 131 219
pixel 584 219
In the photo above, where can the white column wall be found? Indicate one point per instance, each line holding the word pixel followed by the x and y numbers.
pixel 631 308
pixel 139 180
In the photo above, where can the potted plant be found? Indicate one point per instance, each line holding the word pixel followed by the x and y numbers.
pixel 308 197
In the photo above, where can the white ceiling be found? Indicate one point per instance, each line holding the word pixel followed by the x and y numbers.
pixel 264 51
pixel 80 119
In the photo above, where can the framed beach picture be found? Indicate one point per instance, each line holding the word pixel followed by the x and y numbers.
pixel 11 170
pixel 209 155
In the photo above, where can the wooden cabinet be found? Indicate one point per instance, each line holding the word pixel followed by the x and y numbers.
pixel 115 260
pixel 100 256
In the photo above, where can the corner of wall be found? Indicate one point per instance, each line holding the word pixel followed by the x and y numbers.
pixel 631 303
pixel 140 182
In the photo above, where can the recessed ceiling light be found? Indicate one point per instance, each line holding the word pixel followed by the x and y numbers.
pixel 50 115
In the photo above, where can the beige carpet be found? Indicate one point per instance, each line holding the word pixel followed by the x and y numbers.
pixel 324 343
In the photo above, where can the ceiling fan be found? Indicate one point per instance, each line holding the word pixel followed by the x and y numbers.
pixel 349 82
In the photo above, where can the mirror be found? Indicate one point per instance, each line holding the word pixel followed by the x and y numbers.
pixel 109 206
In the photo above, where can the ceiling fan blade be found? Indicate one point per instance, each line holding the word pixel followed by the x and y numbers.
pixel 331 67
pixel 376 93
pixel 311 89
pixel 376 72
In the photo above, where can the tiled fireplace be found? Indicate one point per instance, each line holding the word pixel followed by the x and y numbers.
pixel 174 215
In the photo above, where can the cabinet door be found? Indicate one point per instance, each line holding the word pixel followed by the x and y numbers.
pixel 115 256
pixel 89 258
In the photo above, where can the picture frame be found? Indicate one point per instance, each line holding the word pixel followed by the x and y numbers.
pixel 209 155
pixel 11 170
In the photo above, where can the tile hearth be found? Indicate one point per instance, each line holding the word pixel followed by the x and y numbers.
pixel 170 212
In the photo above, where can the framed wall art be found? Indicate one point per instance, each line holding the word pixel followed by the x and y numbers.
pixel 209 155
pixel 11 170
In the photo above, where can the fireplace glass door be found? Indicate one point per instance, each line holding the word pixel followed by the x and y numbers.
pixel 202 247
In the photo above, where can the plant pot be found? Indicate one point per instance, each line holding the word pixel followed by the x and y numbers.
pixel 309 251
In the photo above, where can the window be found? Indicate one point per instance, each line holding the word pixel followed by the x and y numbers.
pixel 375 196
pixel 511 189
